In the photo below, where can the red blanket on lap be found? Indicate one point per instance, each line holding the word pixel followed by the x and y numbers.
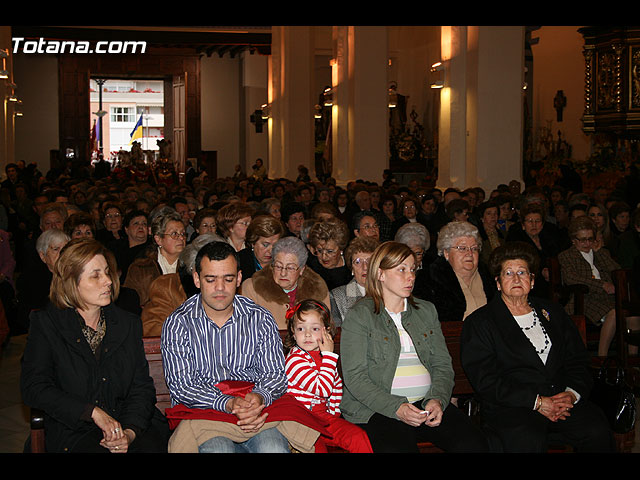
pixel 284 408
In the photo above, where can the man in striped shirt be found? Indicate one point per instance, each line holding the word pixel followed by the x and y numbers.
pixel 218 336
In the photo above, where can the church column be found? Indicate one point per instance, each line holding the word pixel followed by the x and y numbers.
pixel 360 114
pixel 481 121
pixel 291 123
pixel 254 80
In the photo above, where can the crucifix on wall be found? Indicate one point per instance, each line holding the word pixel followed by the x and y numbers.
pixel 559 102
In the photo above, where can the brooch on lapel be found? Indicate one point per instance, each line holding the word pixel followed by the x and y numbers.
pixel 546 315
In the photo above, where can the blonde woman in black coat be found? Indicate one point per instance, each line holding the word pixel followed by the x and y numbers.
pixel 84 363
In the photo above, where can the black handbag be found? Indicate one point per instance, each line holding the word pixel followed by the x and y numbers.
pixel 615 397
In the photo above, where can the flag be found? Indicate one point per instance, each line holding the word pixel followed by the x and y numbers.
pixel 94 144
pixel 137 131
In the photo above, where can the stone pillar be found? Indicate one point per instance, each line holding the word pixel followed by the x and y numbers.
pixel 254 95
pixel 360 114
pixel 481 119
pixel 291 125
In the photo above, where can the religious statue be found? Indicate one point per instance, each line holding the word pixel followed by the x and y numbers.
pixel 165 148
pixel 559 102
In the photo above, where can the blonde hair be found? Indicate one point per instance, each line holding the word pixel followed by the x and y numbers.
pixel 388 255
pixel 74 256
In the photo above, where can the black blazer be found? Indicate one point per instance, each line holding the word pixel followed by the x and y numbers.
pixel 444 291
pixel 62 377
pixel 504 368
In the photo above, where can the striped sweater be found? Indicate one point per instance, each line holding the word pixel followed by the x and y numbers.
pixel 313 378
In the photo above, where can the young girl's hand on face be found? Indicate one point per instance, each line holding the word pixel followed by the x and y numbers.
pixel 325 344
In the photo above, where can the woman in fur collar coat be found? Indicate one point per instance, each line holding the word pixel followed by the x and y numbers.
pixel 286 281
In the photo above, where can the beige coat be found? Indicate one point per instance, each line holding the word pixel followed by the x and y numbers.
pixel 191 433
pixel 262 289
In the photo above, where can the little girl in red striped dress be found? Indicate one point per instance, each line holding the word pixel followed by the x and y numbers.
pixel 312 373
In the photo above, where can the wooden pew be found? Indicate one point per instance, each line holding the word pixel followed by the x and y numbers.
pixel 451 331
pixel 154 358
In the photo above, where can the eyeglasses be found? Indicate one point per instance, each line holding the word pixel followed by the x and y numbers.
pixel 112 215
pixel 289 268
pixel 368 226
pixel 246 224
pixel 409 207
pixel 533 220
pixel 521 274
pixel 585 240
pixel 465 249
pixel 175 235
pixel 360 261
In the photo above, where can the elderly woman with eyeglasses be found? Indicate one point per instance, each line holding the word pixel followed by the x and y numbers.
pixel 529 366
pixel 285 281
pixel 533 230
pixel 161 258
pixel 112 216
pixel 357 255
pixel 458 282
pixel 168 292
pixel 583 264
pixel 328 239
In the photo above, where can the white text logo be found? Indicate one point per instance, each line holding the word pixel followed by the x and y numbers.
pixel 69 46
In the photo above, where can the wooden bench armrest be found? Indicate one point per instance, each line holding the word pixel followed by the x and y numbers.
pixel 37 431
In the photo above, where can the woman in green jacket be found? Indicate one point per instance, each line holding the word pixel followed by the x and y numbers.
pixel 397 371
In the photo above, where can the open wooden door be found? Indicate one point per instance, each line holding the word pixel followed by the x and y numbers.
pixel 179 123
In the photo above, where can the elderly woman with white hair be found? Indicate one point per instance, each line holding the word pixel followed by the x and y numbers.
pixel 417 238
pixel 33 284
pixel 285 281
pixel 458 282
pixel 168 292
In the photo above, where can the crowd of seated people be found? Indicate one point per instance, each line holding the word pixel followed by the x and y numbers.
pixel 301 239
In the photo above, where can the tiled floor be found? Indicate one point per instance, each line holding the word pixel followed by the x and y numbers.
pixel 14 417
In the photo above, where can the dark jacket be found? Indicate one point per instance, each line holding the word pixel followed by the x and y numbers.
pixel 62 377
pixel 504 368
pixel 444 291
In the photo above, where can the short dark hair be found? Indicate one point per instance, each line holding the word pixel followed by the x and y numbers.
pixel 216 251
pixel 513 251
pixel 484 206
pixel 176 200
pixel 290 208
pixel 133 214
pixel 457 205
pixel 358 216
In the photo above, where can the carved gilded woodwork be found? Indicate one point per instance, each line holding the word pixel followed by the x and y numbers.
pixel 612 80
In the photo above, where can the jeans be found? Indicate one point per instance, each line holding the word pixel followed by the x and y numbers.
pixel 267 441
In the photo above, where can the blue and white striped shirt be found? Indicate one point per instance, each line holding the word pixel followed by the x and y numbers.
pixel 197 354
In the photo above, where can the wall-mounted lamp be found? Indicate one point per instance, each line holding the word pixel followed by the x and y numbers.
pixel 317 112
pixel 328 96
pixel 266 111
pixel 18 109
pixel 393 95
pixel 437 75
pixel 4 73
